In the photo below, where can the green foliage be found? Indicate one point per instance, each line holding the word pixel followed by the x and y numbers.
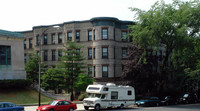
pixel 72 68
pixel 174 27
pixel 52 79
pixel 82 96
pixel 83 81
pixel 32 68
pixel 14 83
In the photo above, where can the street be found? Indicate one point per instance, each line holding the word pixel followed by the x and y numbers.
pixel 186 107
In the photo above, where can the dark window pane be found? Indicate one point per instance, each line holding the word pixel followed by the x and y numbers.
pixel 5 55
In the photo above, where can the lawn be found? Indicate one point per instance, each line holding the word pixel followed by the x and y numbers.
pixel 22 96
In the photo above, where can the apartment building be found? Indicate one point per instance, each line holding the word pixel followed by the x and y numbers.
pixel 102 38
pixel 11 56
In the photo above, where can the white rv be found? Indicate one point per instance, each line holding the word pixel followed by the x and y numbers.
pixel 108 96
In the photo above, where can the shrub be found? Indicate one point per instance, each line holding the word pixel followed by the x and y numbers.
pixel 82 96
pixel 14 83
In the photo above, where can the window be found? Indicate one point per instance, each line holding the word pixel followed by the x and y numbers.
pixel 131 39
pixel 37 40
pixel 59 54
pixel 38 53
pixel 53 39
pixel 114 33
pixel 25 58
pixel 69 36
pixel 30 43
pixel 60 38
pixel 104 33
pixel 114 95
pixel 70 52
pixel 66 103
pixel 129 93
pixel 105 71
pixel 25 44
pixel 89 35
pixel 78 51
pixel 89 53
pixel 90 71
pixel 94 53
pixel 105 89
pixel 124 39
pixel 5 55
pixel 114 52
pixel 94 71
pixel 53 52
pixel 8 105
pixel 77 36
pixel 104 52
pixel 45 39
pixel 124 51
pixel 45 55
pixel 94 34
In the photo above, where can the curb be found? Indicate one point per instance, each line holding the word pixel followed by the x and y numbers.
pixel 77 102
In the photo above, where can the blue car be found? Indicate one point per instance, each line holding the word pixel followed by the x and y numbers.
pixel 7 106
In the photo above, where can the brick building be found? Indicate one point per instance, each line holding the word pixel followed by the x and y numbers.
pixel 102 39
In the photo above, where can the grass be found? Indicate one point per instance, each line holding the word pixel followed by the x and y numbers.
pixel 22 96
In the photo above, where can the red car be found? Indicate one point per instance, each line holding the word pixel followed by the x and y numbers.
pixel 58 105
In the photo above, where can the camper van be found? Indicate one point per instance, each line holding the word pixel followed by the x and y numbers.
pixel 108 96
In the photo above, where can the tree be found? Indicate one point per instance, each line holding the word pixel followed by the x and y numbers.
pixel 52 79
pixel 32 67
pixel 137 72
pixel 172 27
pixel 72 66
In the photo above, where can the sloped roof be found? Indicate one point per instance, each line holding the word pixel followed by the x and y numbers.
pixel 10 34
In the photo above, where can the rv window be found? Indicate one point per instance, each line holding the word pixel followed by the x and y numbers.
pixel 103 96
pixel 93 88
pixel 129 92
pixel 105 89
pixel 114 95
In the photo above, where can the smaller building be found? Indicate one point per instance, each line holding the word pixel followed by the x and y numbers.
pixel 11 55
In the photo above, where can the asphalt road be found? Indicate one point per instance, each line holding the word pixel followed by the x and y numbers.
pixel 186 107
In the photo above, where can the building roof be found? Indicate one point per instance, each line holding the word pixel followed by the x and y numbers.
pixel 10 34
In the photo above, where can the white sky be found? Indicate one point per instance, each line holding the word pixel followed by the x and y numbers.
pixel 22 15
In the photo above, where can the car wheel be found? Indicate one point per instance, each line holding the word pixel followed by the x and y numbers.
pixel 157 104
pixel 71 109
pixel 121 106
pixel 97 107
pixel 51 110
pixel 86 107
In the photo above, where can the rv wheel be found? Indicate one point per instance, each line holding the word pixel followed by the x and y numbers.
pixel 86 107
pixel 122 106
pixel 97 107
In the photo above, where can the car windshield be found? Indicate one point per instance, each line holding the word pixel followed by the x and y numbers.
pixel 92 95
pixel 53 103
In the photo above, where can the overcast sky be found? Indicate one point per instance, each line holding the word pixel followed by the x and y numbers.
pixel 22 15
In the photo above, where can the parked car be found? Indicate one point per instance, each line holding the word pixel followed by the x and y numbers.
pixel 58 105
pixel 148 101
pixel 8 106
pixel 188 98
pixel 169 100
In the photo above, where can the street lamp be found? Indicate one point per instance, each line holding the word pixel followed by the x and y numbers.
pixel 40 44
